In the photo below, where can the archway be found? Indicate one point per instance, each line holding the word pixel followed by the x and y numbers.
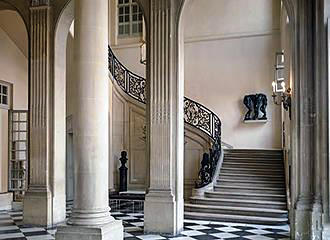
pixel 289 6
pixel 14 81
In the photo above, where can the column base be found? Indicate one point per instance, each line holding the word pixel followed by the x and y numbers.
pixel 162 214
pixel 326 231
pixel 6 200
pixel 308 220
pixel 111 231
pixel 37 207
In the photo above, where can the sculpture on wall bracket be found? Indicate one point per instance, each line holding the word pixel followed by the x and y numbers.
pixel 256 105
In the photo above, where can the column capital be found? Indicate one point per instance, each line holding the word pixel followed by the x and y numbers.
pixel 40 3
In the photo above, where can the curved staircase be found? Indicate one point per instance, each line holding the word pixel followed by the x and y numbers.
pixel 250 189
pixel 251 185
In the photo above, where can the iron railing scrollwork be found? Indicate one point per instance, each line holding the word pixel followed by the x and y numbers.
pixel 131 83
pixel 195 114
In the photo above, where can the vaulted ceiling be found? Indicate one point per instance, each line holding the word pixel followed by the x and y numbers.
pixel 13 25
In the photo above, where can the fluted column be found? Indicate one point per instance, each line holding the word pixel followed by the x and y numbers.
pixel 308 208
pixel 90 218
pixel 164 201
pixel 38 202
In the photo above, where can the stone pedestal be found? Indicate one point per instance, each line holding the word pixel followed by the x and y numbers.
pixel 111 231
pixel 160 212
pixel 6 200
pixel 90 218
pixel 37 207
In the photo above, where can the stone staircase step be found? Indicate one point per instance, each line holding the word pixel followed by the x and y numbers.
pixel 250 176
pixel 234 218
pixel 233 182
pixel 233 158
pixel 249 150
pixel 256 212
pixel 248 196
pixel 258 152
pixel 253 165
pixel 252 170
pixel 239 203
pixel 249 189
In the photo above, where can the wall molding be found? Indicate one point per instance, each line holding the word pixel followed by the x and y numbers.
pixel 229 36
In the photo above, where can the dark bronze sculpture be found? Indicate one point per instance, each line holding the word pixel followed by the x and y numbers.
pixel 209 165
pixel 256 105
pixel 123 172
pixel 249 102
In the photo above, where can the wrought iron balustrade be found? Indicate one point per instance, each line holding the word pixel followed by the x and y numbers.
pixel 195 114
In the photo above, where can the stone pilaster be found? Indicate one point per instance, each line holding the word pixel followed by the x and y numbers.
pixel 164 201
pixel 38 198
pixel 308 208
pixel 90 218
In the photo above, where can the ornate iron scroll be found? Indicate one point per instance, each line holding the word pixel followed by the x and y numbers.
pixel 195 114
pixel 128 81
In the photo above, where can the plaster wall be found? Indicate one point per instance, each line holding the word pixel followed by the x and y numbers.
pixel 229 52
pixel 14 69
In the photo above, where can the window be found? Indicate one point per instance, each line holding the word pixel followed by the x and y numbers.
pixel 4 95
pixel 129 18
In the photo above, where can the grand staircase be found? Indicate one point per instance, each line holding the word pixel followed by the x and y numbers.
pixel 251 184
pixel 249 189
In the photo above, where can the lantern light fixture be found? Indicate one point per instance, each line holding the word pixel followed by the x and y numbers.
pixel 281 94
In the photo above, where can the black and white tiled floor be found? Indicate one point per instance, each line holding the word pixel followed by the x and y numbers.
pixel 12 228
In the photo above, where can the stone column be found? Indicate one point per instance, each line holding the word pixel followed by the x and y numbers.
pixel 38 200
pixel 164 201
pixel 90 217
pixel 308 210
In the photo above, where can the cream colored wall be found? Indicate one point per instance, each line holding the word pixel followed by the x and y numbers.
pixel 229 53
pixel 13 69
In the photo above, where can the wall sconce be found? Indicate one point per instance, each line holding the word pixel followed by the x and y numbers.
pixel 281 94
pixel 143 53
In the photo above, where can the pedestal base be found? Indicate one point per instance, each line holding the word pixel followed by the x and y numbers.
pixel 162 214
pixel 308 220
pixel 326 231
pixel 6 200
pixel 111 231
pixel 37 208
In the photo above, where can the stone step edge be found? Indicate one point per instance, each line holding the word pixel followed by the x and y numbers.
pixel 239 200
pixel 249 188
pixel 243 209
pixel 245 194
pixel 249 181
pixel 249 175
pixel 234 218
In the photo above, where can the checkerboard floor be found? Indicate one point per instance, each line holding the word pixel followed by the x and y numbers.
pixel 11 227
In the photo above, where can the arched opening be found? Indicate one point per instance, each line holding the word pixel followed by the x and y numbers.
pixel 14 77
pixel 218 46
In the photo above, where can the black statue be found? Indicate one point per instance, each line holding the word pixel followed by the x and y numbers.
pixel 123 172
pixel 260 107
pixel 256 105
pixel 204 172
pixel 249 101
pixel 209 164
